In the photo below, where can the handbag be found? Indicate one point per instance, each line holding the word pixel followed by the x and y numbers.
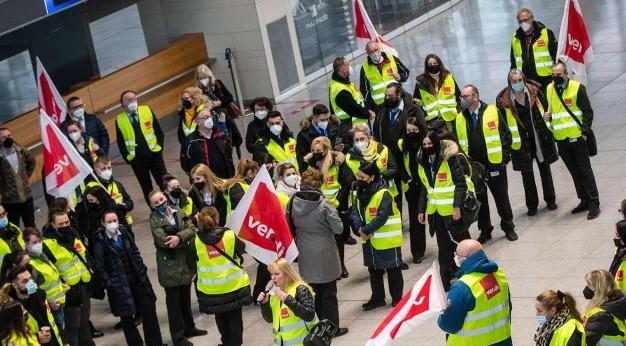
pixel 322 334
pixel 234 110
pixel 592 144
pixel 471 204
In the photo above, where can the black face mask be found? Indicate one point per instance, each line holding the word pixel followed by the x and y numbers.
pixel 249 180
pixel 618 243
pixel 361 184
pixel 391 102
pixel 412 137
pixel 433 69
pixel 8 142
pixel 176 193
pixel 558 80
pixel 588 293
pixel 429 150
pixel 187 104
pixel 200 185
pixel 318 157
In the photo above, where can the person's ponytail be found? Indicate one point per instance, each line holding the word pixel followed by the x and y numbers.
pixel 569 302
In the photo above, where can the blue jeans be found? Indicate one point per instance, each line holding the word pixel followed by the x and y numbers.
pixel 59 317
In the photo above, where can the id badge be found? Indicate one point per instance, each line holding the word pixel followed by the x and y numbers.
pixel 573 140
pixel 494 174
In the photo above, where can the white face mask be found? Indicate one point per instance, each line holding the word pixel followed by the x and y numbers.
pixel 204 81
pixel 260 114
pixel 323 125
pixel 36 249
pixel 75 136
pixel 208 123
pixel 458 261
pixel 376 57
pixel 362 146
pixel 132 106
pixel 276 130
pixel 106 174
pixel 291 180
pixel 79 113
pixel 350 71
pixel 525 26
pixel 111 228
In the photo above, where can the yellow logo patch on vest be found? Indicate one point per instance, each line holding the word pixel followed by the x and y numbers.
pixel 373 211
pixel 330 180
pixel 78 247
pixel 541 43
pixel 568 102
pixel 442 177
pixel 214 253
pixel 491 125
pixel 148 124
pixel 447 90
pixel 383 160
pixel 619 276
pixel 284 313
pixel 490 285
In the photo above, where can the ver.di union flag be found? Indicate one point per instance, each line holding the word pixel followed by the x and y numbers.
pixel 426 299
pixel 365 31
pixel 50 101
pixel 574 43
pixel 260 222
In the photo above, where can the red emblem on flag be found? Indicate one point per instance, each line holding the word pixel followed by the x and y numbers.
pixel 442 177
pixel 491 125
pixel 541 43
pixel 568 102
pixel 447 90
pixel 148 124
pixel 214 253
pixel 373 211
pixel 284 313
pixel 490 285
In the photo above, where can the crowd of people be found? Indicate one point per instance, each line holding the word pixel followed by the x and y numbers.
pixel 343 176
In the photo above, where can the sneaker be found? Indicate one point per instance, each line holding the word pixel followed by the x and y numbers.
pixel 582 206
pixel 593 213
pixel 484 237
pixel 511 235
pixel 531 212
pixel 341 331
pixel 371 305
pixel 552 206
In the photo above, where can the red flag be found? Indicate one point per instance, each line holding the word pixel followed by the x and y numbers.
pixel 64 169
pixel 49 98
pixel 366 32
pixel 574 43
pixel 260 222
pixel 426 299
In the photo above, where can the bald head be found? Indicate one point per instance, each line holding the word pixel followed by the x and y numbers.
pixel 468 247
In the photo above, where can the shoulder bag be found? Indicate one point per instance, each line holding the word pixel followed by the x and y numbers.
pixel 592 144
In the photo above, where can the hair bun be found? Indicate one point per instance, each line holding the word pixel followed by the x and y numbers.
pixel 560 294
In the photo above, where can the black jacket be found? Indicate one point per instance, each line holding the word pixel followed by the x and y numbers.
pixel 364 83
pixel 142 152
pixel 302 305
pixel 602 322
pixel 219 303
pixel 219 92
pixel 218 149
pixel 112 274
pixel 264 139
pixel 308 132
pixel 218 202
pixel 253 133
pixel 94 128
pixel 477 146
pixel 346 102
pixel 528 58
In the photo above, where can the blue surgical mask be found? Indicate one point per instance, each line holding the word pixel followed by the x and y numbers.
pixel 4 222
pixel 162 208
pixel 517 87
pixel 31 287
pixel 541 320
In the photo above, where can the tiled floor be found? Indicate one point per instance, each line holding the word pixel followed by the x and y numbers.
pixel 555 249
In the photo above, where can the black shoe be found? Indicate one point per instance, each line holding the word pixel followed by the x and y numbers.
pixel 371 305
pixel 511 235
pixel 552 206
pixel 183 342
pixel 195 332
pixel 404 266
pixel 345 275
pixel 395 302
pixel 418 260
pixel 96 334
pixel 531 212
pixel 118 325
pixel 349 241
pixel 593 213
pixel 484 237
pixel 341 331
pixel 582 206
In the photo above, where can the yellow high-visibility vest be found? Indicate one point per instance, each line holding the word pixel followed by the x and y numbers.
pixel 71 268
pixel 288 329
pixel 443 104
pixel 389 236
pixel 52 281
pixel 541 53
pixel 334 89
pixel 491 133
pixel 513 127
pixel 216 273
pixel 608 340
pixel 380 79
pixel 146 123
pixel 286 153
pixel 562 125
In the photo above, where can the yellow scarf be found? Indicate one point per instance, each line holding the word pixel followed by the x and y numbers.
pixel 372 151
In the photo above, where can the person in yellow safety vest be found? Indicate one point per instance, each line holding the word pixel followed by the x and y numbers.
pixel 22 288
pixel 567 96
pixel 376 220
pixel 191 103
pixel 237 186
pixel 176 197
pixel 484 136
pixel 69 255
pixel 337 179
pixel 10 236
pixel 140 141
pixel 437 92
pixel 222 285
pixel 521 102
pixel 378 70
pixel 46 274
pixel 479 309
pixel 367 149
pixel 123 202
pixel 289 305
pixel 15 330
pixel 86 146
pixel 560 323
pixel 533 48
pixel 444 174
pixel 606 312
pixel 345 100
pixel 618 266
pixel 276 140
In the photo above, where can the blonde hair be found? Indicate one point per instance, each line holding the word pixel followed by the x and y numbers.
pixel 328 156
pixel 361 128
pixel 203 69
pixel 603 286
pixel 293 278
pixel 196 94
pixel 213 182
pixel 243 167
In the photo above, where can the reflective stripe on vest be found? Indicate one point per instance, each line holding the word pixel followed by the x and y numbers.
pixel 146 122
pixel 331 185
pixel 491 133
pixel 286 153
pixel 562 124
pixel 229 205
pixel 334 89
pixel 5 248
pixel 379 79
pixel 441 196
pixel 288 329
pixel 489 322
pixel 444 104
pixel 563 334
pixel 388 236
pixel 71 269
pixel 217 274
pixel 541 53
pixel 33 325
pixel 513 127
pixel 609 340
pixel 52 281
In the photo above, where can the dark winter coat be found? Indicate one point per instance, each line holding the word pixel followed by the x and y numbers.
pixel 111 272
pixel 308 133
pixel 260 147
pixel 376 259
pixel 218 202
pixel 529 123
pixel 15 187
pixel 219 303
pixel 94 128
pixel 220 153
pixel 602 323
pixel 253 133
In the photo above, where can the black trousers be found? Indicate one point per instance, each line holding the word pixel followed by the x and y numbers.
pixel 262 278
pixel 446 247
pixel 24 211
pixel 178 300
pixel 76 331
pixel 499 187
pixel 341 247
pixel 575 155
pixel 146 308
pixel 326 306
pixel 530 188
pixel 143 167
pixel 230 326
pixel 394 279
pixel 417 231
